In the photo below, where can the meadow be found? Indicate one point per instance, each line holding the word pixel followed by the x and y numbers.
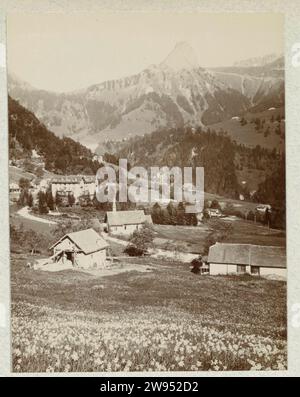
pixel 165 319
pixel 191 239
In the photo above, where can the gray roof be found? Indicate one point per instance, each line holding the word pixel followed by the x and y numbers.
pixel 87 240
pixel 119 218
pixel 247 254
pixel 73 179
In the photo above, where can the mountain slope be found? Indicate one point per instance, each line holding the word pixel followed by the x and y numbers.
pixel 263 85
pixel 226 163
pixel 173 93
pixel 61 155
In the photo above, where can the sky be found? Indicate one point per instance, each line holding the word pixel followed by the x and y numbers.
pixel 63 53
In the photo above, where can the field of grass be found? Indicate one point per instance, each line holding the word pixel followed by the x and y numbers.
pixel 161 320
pixel 16 173
pixel 247 134
pixel 192 239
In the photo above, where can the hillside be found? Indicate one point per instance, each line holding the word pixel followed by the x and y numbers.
pixel 230 169
pixel 269 132
pixel 173 93
pixel 263 85
pixel 60 155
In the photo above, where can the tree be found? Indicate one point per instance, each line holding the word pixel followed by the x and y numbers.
pixel 24 183
pixel 42 204
pixel 39 172
pixel 191 219
pixel 71 199
pixel 58 200
pixel 23 199
pixel 267 217
pixel 141 241
pixel 181 214
pixel 156 214
pixel 30 200
pixel 49 199
pixel 196 263
pixel 243 121
pixel 172 212
pixel 215 204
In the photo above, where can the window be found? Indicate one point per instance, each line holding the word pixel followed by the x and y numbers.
pixel 241 269
pixel 255 270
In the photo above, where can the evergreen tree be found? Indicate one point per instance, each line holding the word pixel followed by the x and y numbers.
pixel 181 214
pixel 172 212
pixel 71 199
pixel 49 200
pixel 58 200
pixel 156 214
pixel 42 203
pixel 30 200
pixel 23 199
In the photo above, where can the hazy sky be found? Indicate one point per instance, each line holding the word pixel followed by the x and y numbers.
pixel 65 52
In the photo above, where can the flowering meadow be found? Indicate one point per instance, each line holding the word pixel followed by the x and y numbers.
pixel 60 341
pixel 166 330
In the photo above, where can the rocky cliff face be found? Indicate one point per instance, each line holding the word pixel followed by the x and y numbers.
pixel 173 93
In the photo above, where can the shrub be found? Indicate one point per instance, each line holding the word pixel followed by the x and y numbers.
pixel 140 241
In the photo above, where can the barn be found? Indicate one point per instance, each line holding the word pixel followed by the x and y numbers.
pixel 84 249
pixel 225 258
pixel 126 222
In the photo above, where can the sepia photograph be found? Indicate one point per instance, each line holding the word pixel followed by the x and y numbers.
pixel 147 201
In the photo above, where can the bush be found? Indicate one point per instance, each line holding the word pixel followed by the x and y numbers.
pixel 196 263
pixel 132 250
pixel 140 241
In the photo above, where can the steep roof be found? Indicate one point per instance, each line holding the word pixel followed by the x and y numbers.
pixel 119 218
pixel 247 254
pixel 87 240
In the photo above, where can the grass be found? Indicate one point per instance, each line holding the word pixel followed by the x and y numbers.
pixel 192 239
pixel 166 319
pixel 247 134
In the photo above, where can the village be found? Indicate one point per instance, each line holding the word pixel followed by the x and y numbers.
pixel 90 249
pixel 147 194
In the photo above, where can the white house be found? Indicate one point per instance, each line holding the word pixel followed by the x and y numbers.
pixel 84 249
pixel 224 258
pixel 14 191
pixel 77 185
pixel 213 212
pixel 126 222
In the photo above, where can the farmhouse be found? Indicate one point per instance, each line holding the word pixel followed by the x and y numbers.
pixel 14 191
pixel 126 222
pixel 85 249
pixel 261 260
pixel 76 185
pixel 213 212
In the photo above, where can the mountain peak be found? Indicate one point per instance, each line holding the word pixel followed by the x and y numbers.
pixel 181 57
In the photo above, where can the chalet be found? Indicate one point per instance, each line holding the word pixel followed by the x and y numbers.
pixel 213 212
pixel 14 191
pixel 84 249
pixel 76 185
pixel 224 258
pixel 126 222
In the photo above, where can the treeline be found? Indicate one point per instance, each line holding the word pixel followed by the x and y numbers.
pixel 172 215
pixel 61 155
pixel 216 152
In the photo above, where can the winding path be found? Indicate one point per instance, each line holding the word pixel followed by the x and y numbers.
pixel 24 213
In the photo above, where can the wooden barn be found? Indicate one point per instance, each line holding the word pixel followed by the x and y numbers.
pixel 225 258
pixel 84 249
pixel 126 222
